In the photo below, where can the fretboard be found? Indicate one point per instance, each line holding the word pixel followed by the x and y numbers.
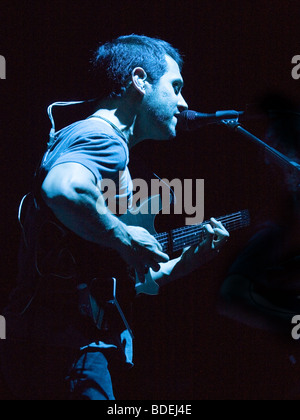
pixel 178 239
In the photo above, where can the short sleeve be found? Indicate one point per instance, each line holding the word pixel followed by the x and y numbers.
pixel 92 145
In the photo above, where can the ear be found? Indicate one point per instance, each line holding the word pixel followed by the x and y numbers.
pixel 138 78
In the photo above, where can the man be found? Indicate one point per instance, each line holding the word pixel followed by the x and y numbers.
pixel 68 228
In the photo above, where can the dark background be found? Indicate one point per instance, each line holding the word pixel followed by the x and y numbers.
pixel 236 52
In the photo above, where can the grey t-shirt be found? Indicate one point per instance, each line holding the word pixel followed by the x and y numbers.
pixel 98 146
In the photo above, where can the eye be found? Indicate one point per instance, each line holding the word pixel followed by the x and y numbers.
pixel 177 87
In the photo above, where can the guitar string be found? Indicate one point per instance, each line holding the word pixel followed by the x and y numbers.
pixel 194 230
pixel 225 219
pixel 189 230
pixel 178 233
pixel 188 242
pixel 194 239
pixel 194 235
pixel 230 225
pixel 197 232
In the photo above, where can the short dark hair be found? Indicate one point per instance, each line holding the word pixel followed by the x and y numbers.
pixel 113 62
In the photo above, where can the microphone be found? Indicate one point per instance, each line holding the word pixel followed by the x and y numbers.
pixel 191 120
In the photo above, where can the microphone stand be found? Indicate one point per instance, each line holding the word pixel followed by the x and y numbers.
pixel 235 125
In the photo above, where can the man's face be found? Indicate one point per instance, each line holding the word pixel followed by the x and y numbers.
pixel 163 101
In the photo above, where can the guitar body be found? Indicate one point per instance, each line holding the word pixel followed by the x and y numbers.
pixel 100 274
pixel 100 296
pixel 104 279
pixel 144 215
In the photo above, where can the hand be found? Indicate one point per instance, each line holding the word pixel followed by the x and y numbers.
pixel 141 250
pixel 215 237
pixel 218 235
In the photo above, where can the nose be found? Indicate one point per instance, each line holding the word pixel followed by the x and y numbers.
pixel 182 105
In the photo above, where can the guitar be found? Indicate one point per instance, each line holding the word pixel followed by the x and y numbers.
pixel 176 239
pixel 171 242
pixel 61 252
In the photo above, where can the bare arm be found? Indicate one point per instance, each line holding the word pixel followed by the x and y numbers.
pixel 71 192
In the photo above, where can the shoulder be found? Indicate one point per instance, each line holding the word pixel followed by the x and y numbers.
pixel 90 128
pixel 93 134
pixel 92 143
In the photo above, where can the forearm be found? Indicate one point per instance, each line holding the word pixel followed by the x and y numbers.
pixel 172 270
pixel 190 260
pixel 194 257
pixel 71 192
pixel 168 272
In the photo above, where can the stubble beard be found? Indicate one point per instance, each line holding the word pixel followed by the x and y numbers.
pixel 163 128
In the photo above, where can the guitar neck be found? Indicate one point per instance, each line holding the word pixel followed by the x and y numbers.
pixel 177 239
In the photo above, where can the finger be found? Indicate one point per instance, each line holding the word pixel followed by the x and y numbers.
pixel 149 239
pixel 159 246
pixel 217 224
pixel 211 234
pixel 160 257
pixel 153 241
pixel 221 233
pixel 209 229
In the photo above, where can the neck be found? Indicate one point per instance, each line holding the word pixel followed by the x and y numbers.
pixel 123 116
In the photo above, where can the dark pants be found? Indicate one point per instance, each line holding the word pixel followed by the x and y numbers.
pixel 47 373
pixel 90 378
